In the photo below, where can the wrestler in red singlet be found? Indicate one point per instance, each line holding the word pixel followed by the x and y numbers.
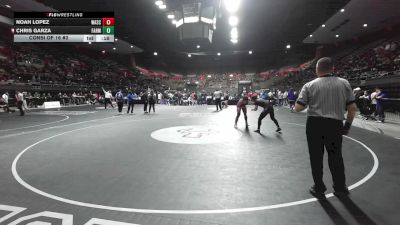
pixel 241 106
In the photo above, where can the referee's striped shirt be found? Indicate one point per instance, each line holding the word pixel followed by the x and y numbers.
pixel 327 97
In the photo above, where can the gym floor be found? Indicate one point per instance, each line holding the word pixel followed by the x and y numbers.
pixel 187 165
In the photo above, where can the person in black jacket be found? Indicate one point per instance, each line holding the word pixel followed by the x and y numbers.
pixel 152 101
pixel 145 100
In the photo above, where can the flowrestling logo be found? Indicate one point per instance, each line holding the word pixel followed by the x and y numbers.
pixel 11 213
pixel 197 134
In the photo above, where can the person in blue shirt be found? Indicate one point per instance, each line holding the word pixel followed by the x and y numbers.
pixel 379 104
pixel 131 98
pixel 264 95
pixel 291 98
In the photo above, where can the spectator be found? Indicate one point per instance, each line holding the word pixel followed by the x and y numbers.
pixel 119 97
pixel 380 98
pixel 107 98
pixel 131 100
pixel 4 102
pixel 20 101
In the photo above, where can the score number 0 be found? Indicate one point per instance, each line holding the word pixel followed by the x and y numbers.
pixel 108 21
pixel 108 25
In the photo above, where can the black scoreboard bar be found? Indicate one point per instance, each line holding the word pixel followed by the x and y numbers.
pixel 57 22
pixel 64 26
pixel 58 30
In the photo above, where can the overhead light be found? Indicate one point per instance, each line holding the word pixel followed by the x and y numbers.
pixel 198 46
pixel 337 35
pixel 310 35
pixel 155 53
pixel 208 75
pixel 231 75
pixel 342 10
pixel 90 43
pixel 8 6
pixel 234 40
pixel 159 2
pixel 323 25
pixel 234 33
pixel 114 48
pixel 365 25
pixel 131 46
pixel 171 16
pixel 116 39
pixel 233 21
pixel 173 22
pixel 162 6
pixel 250 52
pixel 189 55
pixel 288 46
pixel 232 6
pixel 219 53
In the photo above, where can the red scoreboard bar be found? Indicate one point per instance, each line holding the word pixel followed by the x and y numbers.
pixel 64 26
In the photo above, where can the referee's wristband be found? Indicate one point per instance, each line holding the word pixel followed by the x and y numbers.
pixel 347 126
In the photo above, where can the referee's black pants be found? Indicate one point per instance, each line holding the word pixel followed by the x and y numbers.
pixel 120 106
pixel 218 103
pixel 324 133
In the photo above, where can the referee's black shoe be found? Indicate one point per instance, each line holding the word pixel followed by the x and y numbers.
pixel 342 193
pixel 320 195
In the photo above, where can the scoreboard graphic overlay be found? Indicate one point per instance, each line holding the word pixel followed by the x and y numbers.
pixel 64 26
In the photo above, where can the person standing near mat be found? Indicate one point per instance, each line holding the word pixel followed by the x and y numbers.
pixel 145 99
pixel 217 98
pixel 327 97
pixel 20 101
pixel 119 97
pixel 291 99
pixel 152 101
pixel 4 100
pixel 131 99
pixel 107 98
pixel 226 99
pixel 379 104
pixel 268 106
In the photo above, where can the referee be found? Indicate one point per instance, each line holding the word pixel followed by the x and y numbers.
pixel 327 97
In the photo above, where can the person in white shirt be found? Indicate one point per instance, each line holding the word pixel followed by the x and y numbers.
pixel 280 97
pixel 170 98
pixel 285 95
pixel 20 101
pixel 4 99
pixel 107 98
pixel 373 102
pixel 73 98
pixel 159 98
